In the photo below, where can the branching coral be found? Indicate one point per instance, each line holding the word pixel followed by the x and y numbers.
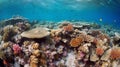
pixel 115 53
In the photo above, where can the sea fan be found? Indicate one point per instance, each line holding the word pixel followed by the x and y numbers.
pixel 115 53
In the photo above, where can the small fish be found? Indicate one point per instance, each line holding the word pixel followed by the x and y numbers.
pixel 100 19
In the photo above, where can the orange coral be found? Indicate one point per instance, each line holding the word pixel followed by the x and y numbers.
pixel 99 51
pixel 68 28
pixel 115 53
pixel 75 42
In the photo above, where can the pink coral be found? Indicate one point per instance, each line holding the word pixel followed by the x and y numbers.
pixel 16 48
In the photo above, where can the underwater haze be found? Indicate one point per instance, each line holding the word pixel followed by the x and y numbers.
pixel 106 11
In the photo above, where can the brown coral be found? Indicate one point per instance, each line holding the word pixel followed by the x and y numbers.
pixel 103 37
pixel 115 53
pixel 87 38
pixel 95 32
pixel 98 42
pixel 99 51
pixel 8 33
pixel 68 28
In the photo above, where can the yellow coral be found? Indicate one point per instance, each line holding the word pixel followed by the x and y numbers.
pixel 35 46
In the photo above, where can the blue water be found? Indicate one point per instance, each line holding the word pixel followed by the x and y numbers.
pixel 57 10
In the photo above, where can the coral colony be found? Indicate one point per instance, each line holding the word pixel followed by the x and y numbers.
pixel 64 44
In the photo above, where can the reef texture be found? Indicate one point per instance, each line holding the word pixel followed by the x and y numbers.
pixel 64 44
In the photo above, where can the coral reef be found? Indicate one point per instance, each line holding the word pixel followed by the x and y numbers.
pixel 72 44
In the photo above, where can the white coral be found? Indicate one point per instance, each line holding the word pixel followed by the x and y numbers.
pixel 70 60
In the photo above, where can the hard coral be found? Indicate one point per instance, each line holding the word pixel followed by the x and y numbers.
pixel 103 37
pixel 95 32
pixel 16 48
pixel 68 28
pixel 115 53
pixel 8 33
pixel 35 46
pixel 98 42
pixel 36 33
pixel 99 51
pixel 75 42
